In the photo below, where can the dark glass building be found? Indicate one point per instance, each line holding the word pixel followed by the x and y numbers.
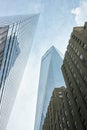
pixel 16 35
pixel 71 106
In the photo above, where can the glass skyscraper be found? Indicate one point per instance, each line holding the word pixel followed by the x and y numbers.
pixel 16 35
pixel 50 77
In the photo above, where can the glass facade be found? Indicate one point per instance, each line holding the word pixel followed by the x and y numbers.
pixel 50 77
pixel 16 35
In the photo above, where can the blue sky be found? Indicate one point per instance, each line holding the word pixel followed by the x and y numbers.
pixel 57 18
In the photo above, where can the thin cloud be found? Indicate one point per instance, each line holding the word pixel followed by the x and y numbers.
pixel 80 13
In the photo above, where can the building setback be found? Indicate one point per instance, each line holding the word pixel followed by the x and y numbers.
pixel 72 112
pixel 16 35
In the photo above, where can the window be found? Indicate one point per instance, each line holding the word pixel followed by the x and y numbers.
pixel 85 78
pixel 60 96
pixel 63 120
pixel 81 89
pixel 85 97
pixel 81 71
pixel 84 61
pixel 76 50
pixel 78 53
pixel 65 113
pixel 68 123
pixel 81 57
pixel 73 58
pixel 73 48
pixel 75 124
pixel 61 126
pixel 77 40
pixel 67 95
pixel 70 44
pixel 85 46
pixel 71 55
pixel 64 128
pixel 60 92
pixel 76 100
pixel 74 75
pixel 69 103
pixel 73 91
pixel 77 81
pixel 75 61
pixel 72 113
pixel 80 41
pixel 72 69
pixel 78 66
pixel 79 109
pixel 85 124
pixel 55 126
pixel 70 83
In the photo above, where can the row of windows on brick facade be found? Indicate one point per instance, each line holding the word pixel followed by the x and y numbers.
pixel 83 45
pixel 83 120
pixel 74 74
pixel 61 120
pixel 85 125
pixel 83 75
pixel 72 113
pixel 79 54
pixel 77 80
pixel 69 103
pixel 85 79
pixel 79 109
pixel 72 89
pixel 66 112
pixel 80 112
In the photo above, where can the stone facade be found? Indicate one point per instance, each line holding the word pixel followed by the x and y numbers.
pixel 68 106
